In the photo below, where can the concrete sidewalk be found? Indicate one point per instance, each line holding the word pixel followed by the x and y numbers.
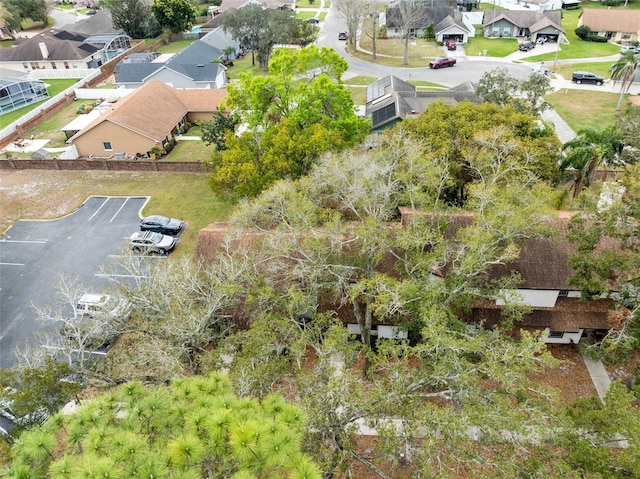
pixel 598 374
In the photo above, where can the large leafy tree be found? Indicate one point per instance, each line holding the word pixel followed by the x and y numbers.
pixel 628 125
pixel 195 427
pixel 292 115
pixel 607 260
pixel 20 10
pixel 468 132
pixel 592 148
pixel 625 71
pixel 133 17
pixel 175 15
pixel 259 29
pixel 408 15
pixel 498 87
pixel 32 394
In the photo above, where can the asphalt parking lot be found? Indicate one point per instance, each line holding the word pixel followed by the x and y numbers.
pixel 35 255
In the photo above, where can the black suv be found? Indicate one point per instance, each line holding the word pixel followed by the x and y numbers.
pixel 526 46
pixel 587 77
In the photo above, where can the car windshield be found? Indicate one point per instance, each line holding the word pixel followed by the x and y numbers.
pixel 156 238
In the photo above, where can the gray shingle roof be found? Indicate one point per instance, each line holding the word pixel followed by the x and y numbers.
pixel 61 44
pixel 194 62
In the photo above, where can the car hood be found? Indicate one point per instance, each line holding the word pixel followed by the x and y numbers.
pixel 174 224
pixel 166 241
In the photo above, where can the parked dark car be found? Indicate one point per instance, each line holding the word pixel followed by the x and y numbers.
pixel 526 46
pixel 586 77
pixel 343 36
pixel 313 20
pixel 91 11
pixel 451 45
pixel 162 224
pixel 150 242
pixel 442 62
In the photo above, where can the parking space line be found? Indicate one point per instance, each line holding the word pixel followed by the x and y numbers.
pixel 109 275
pixel 23 241
pixel 98 210
pixel 11 264
pixel 119 209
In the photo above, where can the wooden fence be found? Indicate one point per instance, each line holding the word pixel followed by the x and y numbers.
pixel 103 164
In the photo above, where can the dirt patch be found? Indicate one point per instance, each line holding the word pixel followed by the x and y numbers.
pixel 570 379
pixel 627 372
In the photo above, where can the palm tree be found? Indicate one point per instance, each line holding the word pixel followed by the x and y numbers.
pixel 590 149
pixel 624 70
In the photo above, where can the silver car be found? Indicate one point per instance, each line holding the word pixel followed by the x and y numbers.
pixel 150 242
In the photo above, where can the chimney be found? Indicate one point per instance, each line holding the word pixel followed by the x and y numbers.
pixel 43 50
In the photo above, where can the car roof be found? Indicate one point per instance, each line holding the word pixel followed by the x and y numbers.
pixel 158 218
pixel 93 298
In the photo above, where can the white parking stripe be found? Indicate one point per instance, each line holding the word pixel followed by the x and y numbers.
pixel 98 210
pixel 24 241
pixel 119 209
pixel 12 264
pixel 106 275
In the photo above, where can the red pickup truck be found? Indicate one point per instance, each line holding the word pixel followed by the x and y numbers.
pixel 442 62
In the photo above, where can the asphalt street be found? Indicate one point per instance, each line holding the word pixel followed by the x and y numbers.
pixel 35 255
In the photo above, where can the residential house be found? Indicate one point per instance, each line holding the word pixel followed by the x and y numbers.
pixel 62 50
pixel 149 117
pixel 447 23
pixel 390 99
pixel 196 66
pixel 544 5
pixel 522 23
pixel 227 5
pixel 556 307
pixel 620 26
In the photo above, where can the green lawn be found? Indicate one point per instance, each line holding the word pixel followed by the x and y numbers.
pixel 50 128
pixel 175 47
pixel 418 48
pixel 490 6
pixel 358 94
pixel 56 87
pixel 584 109
pixel 599 68
pixel 360 80
pixel 308 4
pixel 244 65
pixel 495 47
pixel 305 15
pixel 190 150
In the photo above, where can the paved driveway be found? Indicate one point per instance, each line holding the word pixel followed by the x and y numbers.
pixel 34 255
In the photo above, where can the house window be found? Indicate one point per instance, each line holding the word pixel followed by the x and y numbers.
pixel 75 66
pixel 53 65
pixel 495 32
pixel 107 145
pixel 626 36
pixel 25 66
pixel 66 65
pixel 506 32
pixel 556 334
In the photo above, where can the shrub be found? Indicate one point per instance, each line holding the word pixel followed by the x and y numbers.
pixel 582 32
pixel 598 39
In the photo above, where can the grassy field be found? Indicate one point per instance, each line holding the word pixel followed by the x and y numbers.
pixel 599 68
pixel 244 65
pixel 585 109
pixel 175 47
pixel 56 87
pixel 50 128
pixel 418 48
pixel 47 194
pixel 190 150
pixel 495 47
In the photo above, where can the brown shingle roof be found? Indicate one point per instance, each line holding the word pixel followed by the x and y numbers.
pixel 626 21
pixel 155 108
pixel 61 45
